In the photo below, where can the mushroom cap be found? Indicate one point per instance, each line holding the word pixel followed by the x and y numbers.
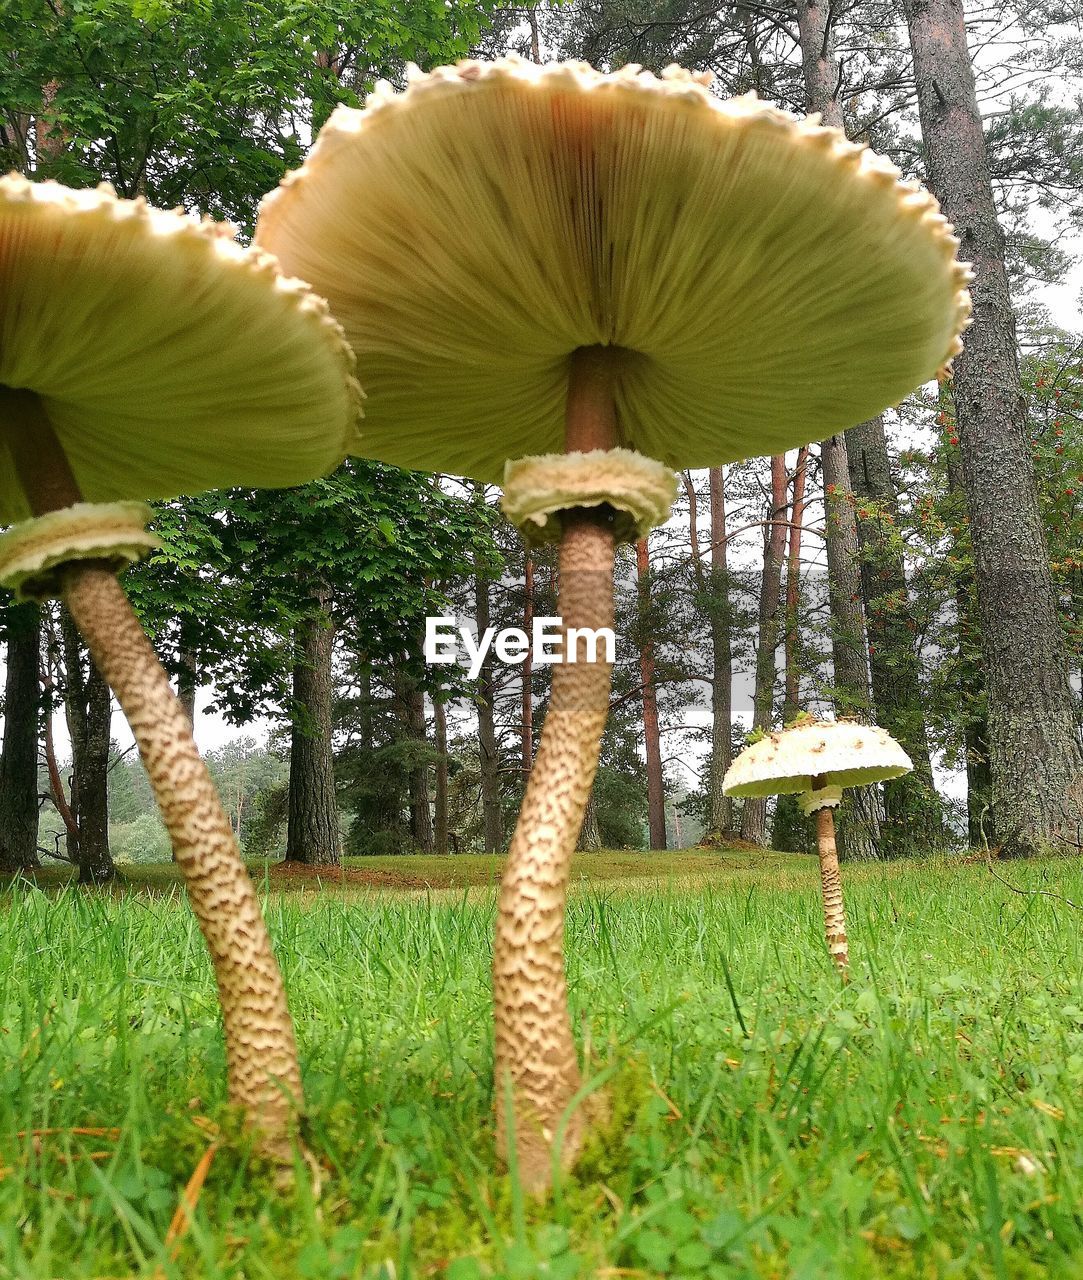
pixel 169 358
pixel 844 753
pixel 766 281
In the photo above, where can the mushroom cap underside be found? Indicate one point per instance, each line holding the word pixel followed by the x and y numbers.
pixel 830 753
pixel 168 358
pixel 760 280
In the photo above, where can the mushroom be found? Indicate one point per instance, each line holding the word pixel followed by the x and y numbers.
pixel 624 275
pixel 815 760
pixel 144 354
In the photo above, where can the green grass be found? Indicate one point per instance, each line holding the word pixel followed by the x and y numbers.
pixel 925 1121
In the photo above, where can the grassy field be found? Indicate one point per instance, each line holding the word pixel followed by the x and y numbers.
pixel 923 1122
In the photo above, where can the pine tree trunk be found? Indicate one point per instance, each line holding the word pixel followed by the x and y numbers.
pixel 791 701
pixel 913 818
pixel 440 827
pixel 188 662
pixel 590 837
pixel 721 807
pixel 19 754
pixel 312 829
pixel 858 826
pixel 492 814
pixel 656 794
pixel 971 688
pixel 754 815
pixel 1035 754
pixel 89 710
pixel 420 813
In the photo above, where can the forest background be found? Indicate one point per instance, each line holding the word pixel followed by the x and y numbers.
pixel 924 569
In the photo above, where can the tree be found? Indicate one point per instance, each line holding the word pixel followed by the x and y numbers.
pixel 754 813
pixel 312 833
pixel 911 806
pixel 656 794
pixel 1035 754
pixel 19 755
pixel 89 711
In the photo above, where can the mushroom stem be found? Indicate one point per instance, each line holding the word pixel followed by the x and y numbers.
pixel 263 1070
pixel 831 884
pixel 535 1049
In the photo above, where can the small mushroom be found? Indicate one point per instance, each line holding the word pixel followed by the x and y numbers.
pixel 573 282
pixel 144 354
pixel 815 761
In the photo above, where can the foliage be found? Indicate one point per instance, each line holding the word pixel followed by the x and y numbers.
pixel 203 104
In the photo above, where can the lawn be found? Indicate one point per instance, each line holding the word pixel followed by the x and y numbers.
pixel 925 1121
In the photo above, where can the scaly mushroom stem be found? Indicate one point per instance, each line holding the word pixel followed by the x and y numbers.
pixel 261 1053
pixel 535 1049
pixel 831 884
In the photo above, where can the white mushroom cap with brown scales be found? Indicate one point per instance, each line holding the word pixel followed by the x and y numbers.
pixel 816 754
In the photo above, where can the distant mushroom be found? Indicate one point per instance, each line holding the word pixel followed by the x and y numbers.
pixel 815 761
pixel 144 354
pixel 626 275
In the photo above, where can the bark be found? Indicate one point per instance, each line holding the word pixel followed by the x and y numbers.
pixel 791 702
pixel 89 711
pixel 721 807
pixel 754 815
pixel 912 819
pixel 714 589
pixel 420 814
pixel 492 813
pixel 971 693
pixel 1035 755
pixel 859 820
pixel 656 793
pixel 19 754
pixel 188 662
pixel 858 831
pixel 312 828
pixel 440 829
pixel 590 836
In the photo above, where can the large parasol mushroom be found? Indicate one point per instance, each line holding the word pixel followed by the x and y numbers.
pixel 144 354
pixel 815 761
pixel 624 274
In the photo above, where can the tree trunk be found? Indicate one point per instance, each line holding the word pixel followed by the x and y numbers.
pixel 492 813
pixel 188 676
pixel 312 830
pixel 420 813
pixel 19 754
pixel 971 689
pixel 791 702
pixel 590 837
pixel 754 815
pixel 913 819
pixel 1035 754
pixel 88 705
pixel 858 829
pixel 859 825
pixel 656 794
pixel 440 831
pixel 721 807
